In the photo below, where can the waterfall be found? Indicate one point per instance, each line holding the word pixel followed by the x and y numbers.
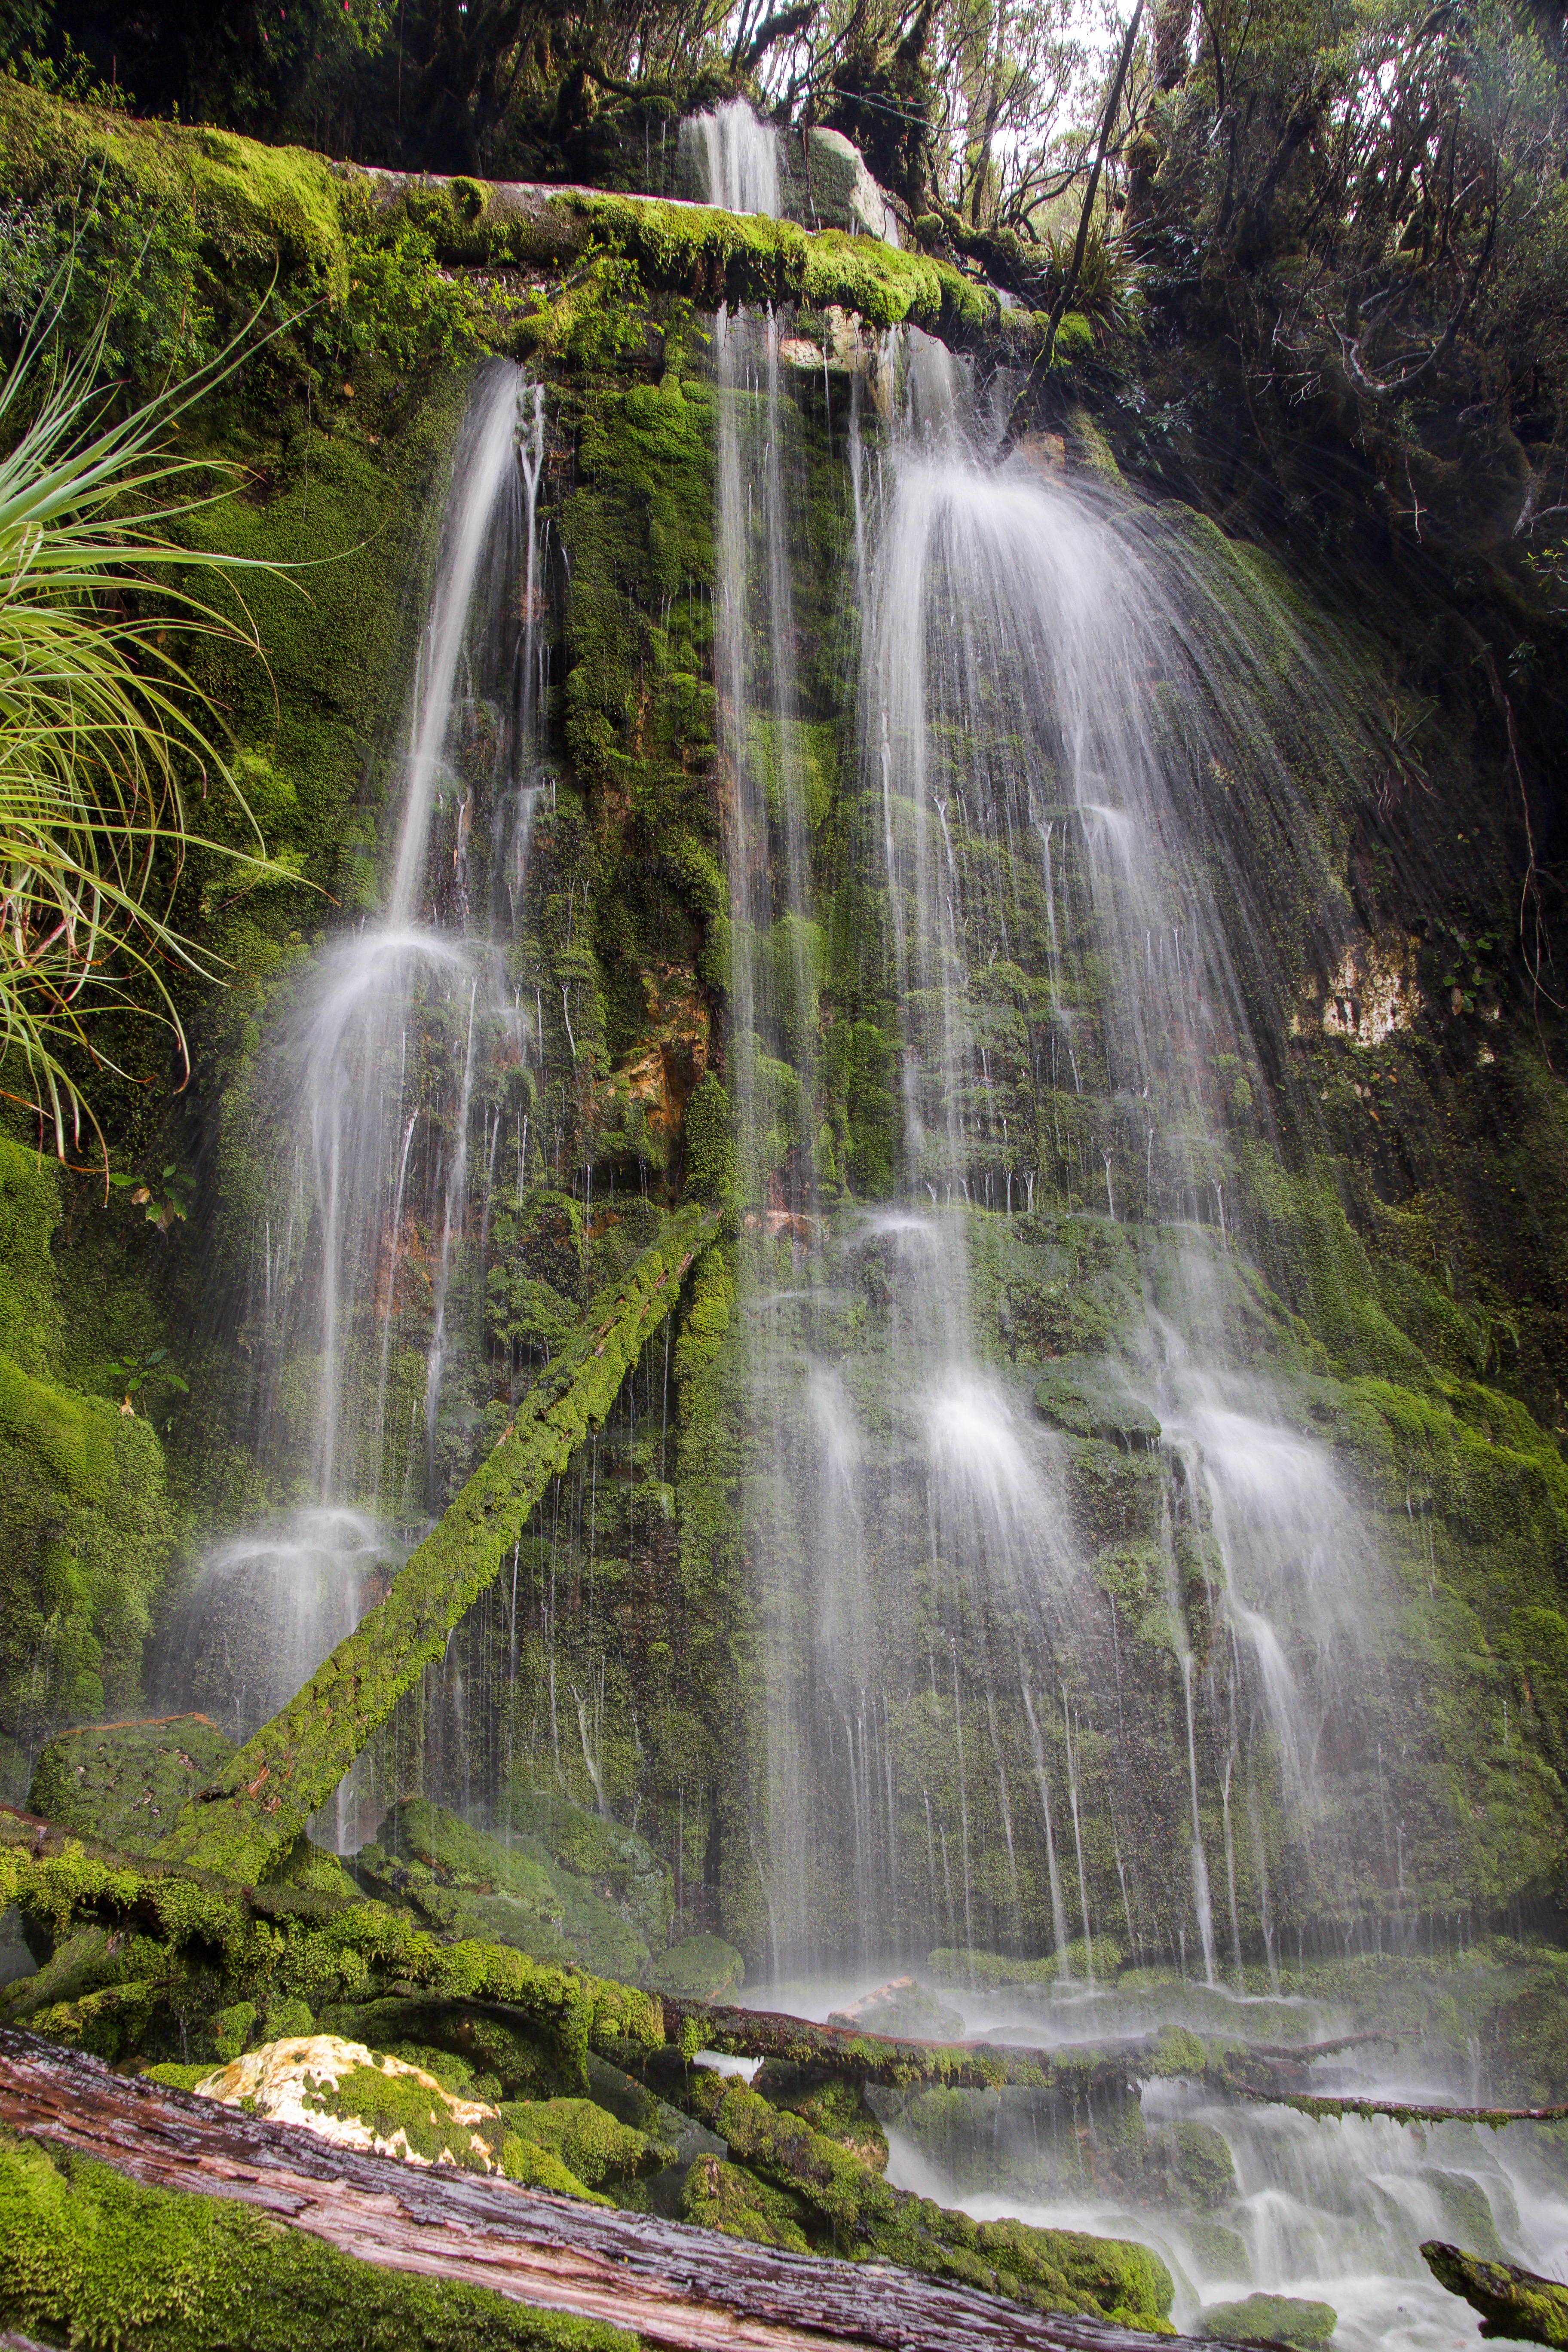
pixel 1056 692
pixel 372 1070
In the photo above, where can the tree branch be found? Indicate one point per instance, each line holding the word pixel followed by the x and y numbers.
pixel 1042 361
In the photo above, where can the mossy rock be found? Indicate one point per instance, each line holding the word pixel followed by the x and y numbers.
pixel 1221 2251
pixel 834 2104
pixel 124 1783
pixel 470 2049
pixel 1199 2164
pixel 620 1867
pixel 597 2148
pixel 700 1968
pixel 1271 2319
pixel 904 2008
pixel 85 1538
pixel 1467 2217
pixel 355 2097
pixel 475 1884
pixel 728 2197
pixel 87 2255
pixel 1091 1396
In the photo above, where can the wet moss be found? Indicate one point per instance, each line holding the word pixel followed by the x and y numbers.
pixel 140 1959
pixel 87 2254
pixel 845 2204
pixel 598 2150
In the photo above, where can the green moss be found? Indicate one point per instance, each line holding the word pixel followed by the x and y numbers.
pixel 532 2165
pixel 730 2199
pixel 403 2112
pixel 125 1783
pixel 597 2149
pixel 85 1538
pixel 833 2104
pixel 467 1882
pixel 710 1141
pixel 141 1958
pixel 1271 2319
pixel 30 1212
pixel 700 1968
pixel 1201 2167
pixel 846 2204
pixel 89 2256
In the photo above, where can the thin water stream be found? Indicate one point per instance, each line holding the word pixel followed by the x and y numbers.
pixel 372 1067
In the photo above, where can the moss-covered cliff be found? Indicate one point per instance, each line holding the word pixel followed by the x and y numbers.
pixel 1398 1270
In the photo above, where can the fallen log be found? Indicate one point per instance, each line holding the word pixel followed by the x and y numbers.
pixel 687 2288
pixel 885 2058
pixel 264 1795
pixel 1402 2111
pixel 495 230
pixel 1518 2305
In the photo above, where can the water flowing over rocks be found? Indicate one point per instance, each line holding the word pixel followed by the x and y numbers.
pixel 855 1623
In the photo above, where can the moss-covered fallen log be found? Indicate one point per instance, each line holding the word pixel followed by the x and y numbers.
pixel 784 2183
pixel 158 1961
pixel 674 2285
pixel 282 210
pixel 898 2064
pixel 264 1795
pixel 1516 2304
pixel 1402 2111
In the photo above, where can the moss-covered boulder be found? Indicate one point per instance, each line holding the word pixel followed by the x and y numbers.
pixel 592 2145
pixel 508 1890
pixel 904 2008
pixel 833 2104
pixel 1197 2160
pixel 620 1867
pixel 700 1968
pixel 1271 2319
pixel 123 1783
pixel 355 2097
pixel 727 2197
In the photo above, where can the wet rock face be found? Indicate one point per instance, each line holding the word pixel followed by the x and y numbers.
pixel 124 1783
pixel 1091 1397
pixel 902 2007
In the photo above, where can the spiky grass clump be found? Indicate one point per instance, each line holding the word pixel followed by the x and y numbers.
pixel 102 730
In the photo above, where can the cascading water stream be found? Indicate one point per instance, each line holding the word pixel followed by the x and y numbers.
pixel 1049 693
pixel 374 1073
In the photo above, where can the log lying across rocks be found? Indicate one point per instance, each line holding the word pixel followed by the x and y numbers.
pixel 899 2061
pixel 264 1795
pixel 1402 2111
pixel 675 2285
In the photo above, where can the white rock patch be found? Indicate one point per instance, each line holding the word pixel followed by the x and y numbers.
pixel 283 2080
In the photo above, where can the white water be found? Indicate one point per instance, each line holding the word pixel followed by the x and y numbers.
pixel 1321 2211
pixel 374 1072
